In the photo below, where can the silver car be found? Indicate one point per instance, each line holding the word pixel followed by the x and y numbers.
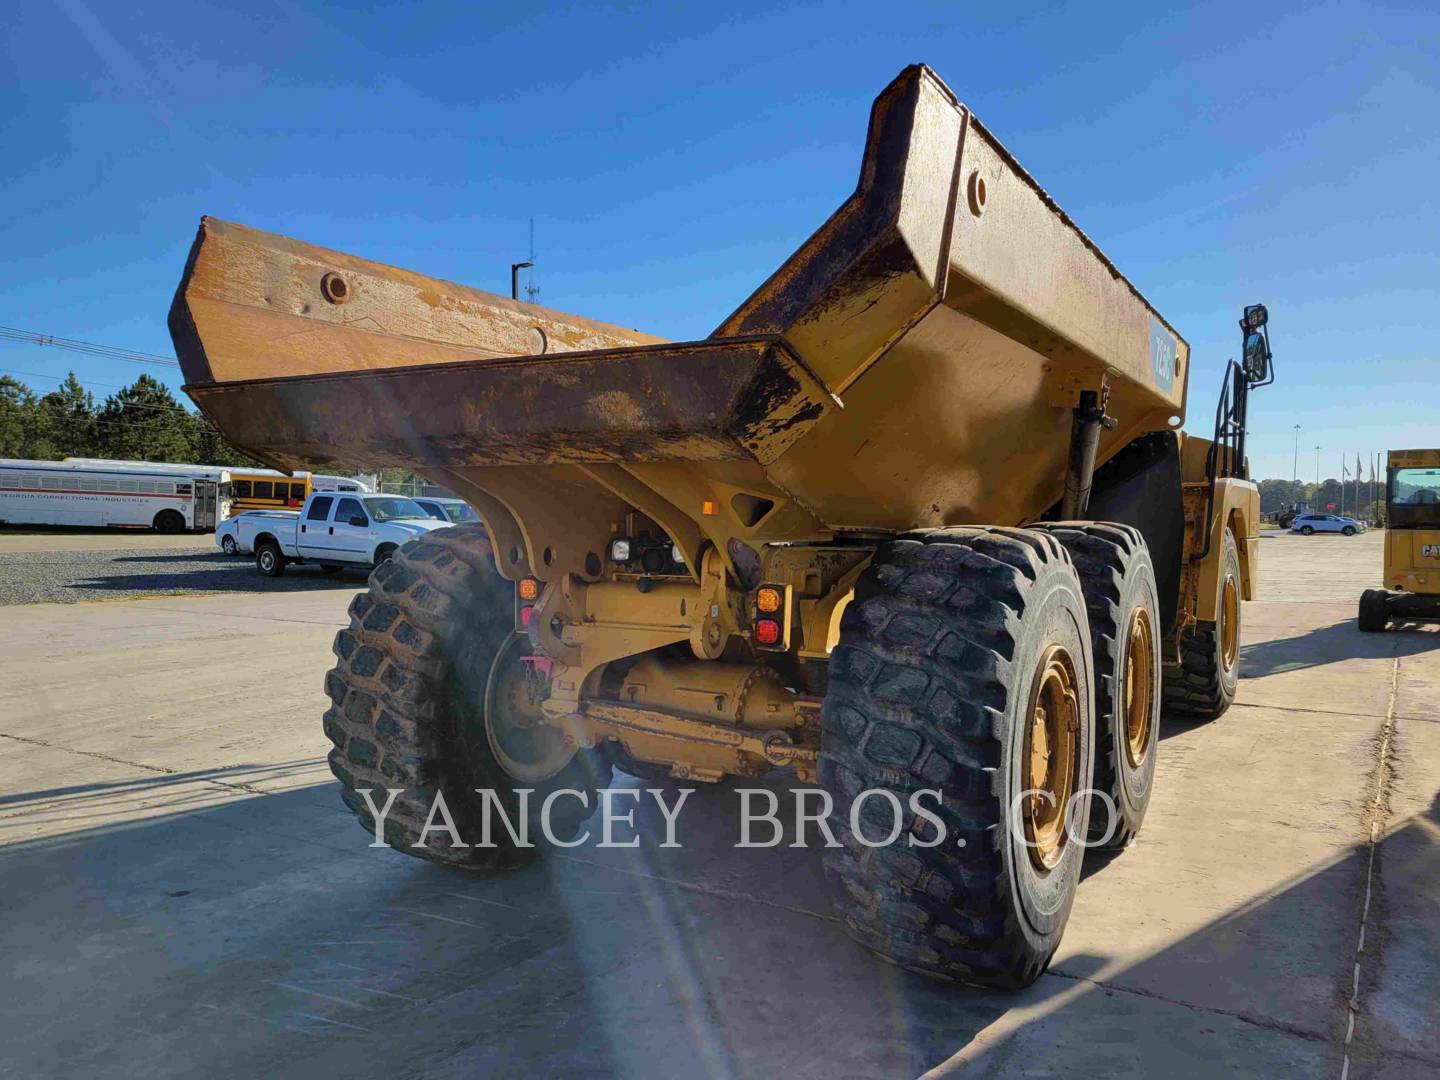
pixel 1314 523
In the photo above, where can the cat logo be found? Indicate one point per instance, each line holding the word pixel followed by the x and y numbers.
pixel 1430 551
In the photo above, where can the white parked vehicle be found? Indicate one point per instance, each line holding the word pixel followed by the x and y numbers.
pixel 236 535
pixel 450 511
pixel 1305 524
pixel 325 482
pixel 336 530
pixel 141 494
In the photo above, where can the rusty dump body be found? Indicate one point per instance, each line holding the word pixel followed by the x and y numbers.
pixel 914 363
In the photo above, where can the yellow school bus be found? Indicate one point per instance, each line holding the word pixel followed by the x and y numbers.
pixel 266 489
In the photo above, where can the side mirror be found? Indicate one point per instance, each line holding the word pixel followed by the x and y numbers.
pixel 1257 357
pixel 359 521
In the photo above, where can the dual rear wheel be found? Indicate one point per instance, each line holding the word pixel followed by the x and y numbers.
pixel 1016 673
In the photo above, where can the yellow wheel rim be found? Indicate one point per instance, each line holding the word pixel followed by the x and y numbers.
pixel 1229 624
pixel 1138 695
pixel 1049 757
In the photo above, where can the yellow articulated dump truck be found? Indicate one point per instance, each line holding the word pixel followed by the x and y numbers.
pixel 917 517
pixel 1410 588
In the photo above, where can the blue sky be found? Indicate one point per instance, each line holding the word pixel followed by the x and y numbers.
pixel 673 155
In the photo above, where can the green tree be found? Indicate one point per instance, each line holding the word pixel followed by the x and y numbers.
pixel 65 422
pixel 144 422
pixel 18 418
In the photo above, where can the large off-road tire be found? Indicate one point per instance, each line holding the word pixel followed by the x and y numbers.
pixel 1374 615
pixel 428 695
pixel 1122 601
pixel 1202 685
pixel 957 640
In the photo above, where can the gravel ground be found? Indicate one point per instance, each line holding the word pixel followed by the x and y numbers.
pixel 67 577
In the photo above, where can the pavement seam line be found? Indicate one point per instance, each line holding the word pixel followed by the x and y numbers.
pixel 1248 1018
pixel 1336 712
pixel 1376 814
pixel 160 769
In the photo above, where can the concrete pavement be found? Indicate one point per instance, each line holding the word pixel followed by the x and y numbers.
pixel 185 894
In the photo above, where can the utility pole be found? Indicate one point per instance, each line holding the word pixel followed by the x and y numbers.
pixel 1317 474
pixel 1295 465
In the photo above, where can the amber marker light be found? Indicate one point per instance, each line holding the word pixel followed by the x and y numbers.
pixel 768 599
pixel 529 589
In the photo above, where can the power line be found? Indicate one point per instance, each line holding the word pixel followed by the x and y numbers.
pixel 86 348
pixel 59 379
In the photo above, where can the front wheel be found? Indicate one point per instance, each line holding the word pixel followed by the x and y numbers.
pixel 1202 685
pixel 963 668
pixel 1349 530
pixel 227 545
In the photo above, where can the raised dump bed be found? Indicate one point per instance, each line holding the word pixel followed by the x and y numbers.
pixel 676 529
pixel 914 363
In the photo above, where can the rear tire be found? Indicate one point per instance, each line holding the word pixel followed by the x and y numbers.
pixel 1122 602
pixel 269 559
pixel 1307 530
pixel 429 649
pixel 169 521
pixel 1374 616
pixel 943 656
pixel 1202 686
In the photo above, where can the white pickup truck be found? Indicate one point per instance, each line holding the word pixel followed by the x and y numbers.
pixel 336 530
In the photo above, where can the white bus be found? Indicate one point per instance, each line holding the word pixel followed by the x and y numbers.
pixel 323 482
pixel 245 493
pixel 133 494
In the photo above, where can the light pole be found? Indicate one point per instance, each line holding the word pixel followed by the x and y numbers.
pixel 1295 465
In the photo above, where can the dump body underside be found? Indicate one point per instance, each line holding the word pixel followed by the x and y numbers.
pixel 914 363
